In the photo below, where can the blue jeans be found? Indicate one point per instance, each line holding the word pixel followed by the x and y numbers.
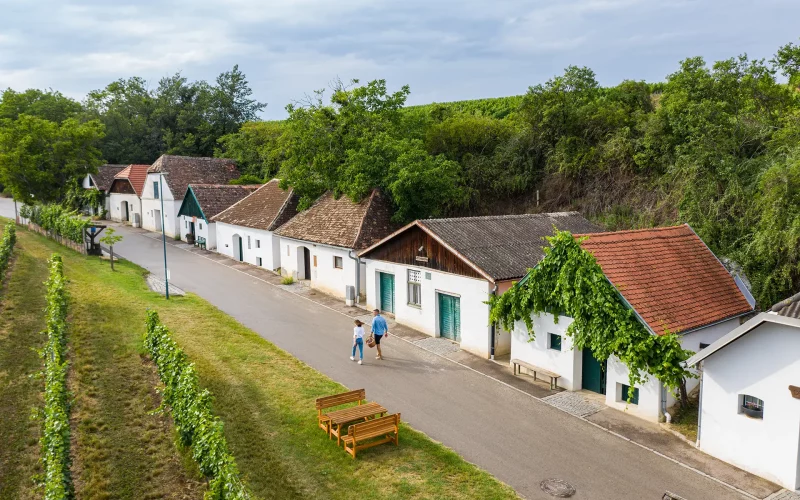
pixel 360 344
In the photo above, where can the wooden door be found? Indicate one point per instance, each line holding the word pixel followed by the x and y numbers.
pixel 386 292
pixel 450 317
pixel 594 373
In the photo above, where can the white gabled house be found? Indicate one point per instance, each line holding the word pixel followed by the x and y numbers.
pixel 436 275
pixel 101 181
pixel 673 283
pixel 750 395
pixel 201 203
pixel 167 181
pixel 125 203
pixel 246 230
pixel 321 244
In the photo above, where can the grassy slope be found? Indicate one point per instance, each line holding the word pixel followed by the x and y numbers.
pixel 21 323
pixel 264 396
pixel 119 449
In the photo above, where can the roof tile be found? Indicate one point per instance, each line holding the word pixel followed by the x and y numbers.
pixel 214 198
pixel 105 176
pixel 136 175
pixel 180 171
pixel 266 208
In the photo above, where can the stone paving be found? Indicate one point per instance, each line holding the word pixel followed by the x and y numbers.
pixel 157 285
pixel 784 495
pixel 437 345
pixel 573 403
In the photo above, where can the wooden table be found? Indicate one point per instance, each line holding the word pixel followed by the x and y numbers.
pixel 339 418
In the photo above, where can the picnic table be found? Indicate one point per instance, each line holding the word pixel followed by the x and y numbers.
pixel 340 418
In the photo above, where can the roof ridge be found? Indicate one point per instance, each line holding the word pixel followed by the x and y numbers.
pixel 777 307
pixel 503 216
pixel 286 202
pixel 249 195
pixel 642 230
pixel 364 216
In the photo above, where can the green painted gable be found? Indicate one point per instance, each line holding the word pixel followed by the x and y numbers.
pixel 190 207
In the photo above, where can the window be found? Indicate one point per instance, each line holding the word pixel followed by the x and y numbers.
pixel 555 342
pixel 201 225
pixel 248 242
pixel 287 249
pixel 623 394
pixel 337 262
pixel 703 345
pixel 414 288
pixel 751 406
pixel 315 261
pixel 427 276
pixel 258 261
pixel 258 243
pixel 186 224
pixel 155 190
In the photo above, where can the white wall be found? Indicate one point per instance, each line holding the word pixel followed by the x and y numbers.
pixel 567 362
pixel 762 363
pixel 202 229
pixel 475 331
pixel 86 183
pixel 150 205
pixel 324 276
pixel 265 249
pixel 115 206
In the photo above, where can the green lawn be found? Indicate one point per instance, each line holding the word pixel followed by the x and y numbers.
pixel 264 396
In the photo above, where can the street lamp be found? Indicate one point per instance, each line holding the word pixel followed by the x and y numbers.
pixel 163 233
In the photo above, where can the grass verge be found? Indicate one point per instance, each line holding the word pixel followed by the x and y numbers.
pixel 685 420
pixel 264 396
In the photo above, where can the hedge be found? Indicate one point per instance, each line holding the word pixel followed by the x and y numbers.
pixel 6 247
pixel 55 218
pixel 55 437
pixel 196 425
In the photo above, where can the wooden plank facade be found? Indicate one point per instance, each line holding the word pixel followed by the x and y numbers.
pixel 122 186
pixel 405 247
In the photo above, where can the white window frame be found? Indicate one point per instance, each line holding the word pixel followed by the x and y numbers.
pixel 339 260
pixel 414 287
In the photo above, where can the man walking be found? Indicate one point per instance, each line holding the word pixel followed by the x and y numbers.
pixel 379 329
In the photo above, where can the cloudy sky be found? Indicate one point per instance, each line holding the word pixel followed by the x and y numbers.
pixel 445 50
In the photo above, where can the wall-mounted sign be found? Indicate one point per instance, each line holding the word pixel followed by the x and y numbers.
pixel 194 220
pixel 795 391
pixel 421 259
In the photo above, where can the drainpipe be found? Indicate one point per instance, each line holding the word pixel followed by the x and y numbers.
pixel 493 328
pixel 358 275
pixel 700 406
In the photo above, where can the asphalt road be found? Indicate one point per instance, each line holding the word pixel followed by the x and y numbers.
pixel 518 439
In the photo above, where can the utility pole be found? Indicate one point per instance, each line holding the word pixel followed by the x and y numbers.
pixel 163 233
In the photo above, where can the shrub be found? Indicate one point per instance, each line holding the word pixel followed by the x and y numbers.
pixel 197 427
pixel 288 280
pixel 6 247
pixel 55 437
pixel 55 218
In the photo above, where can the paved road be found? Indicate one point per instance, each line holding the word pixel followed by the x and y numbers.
pixel 520 440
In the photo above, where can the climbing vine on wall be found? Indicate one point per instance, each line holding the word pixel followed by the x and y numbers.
pixel 570 280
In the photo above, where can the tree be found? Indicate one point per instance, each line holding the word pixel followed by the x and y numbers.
pixel 48 105
pixel 232 105
pixel 257 147
pixel 111 239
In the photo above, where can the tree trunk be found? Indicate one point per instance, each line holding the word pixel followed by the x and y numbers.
pixel 684 394
pixel 112 256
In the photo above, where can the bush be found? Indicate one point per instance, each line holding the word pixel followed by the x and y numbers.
pixel 55 437
pixel 6 247
pixel 287 280
pixel 196 425
pixel 55 218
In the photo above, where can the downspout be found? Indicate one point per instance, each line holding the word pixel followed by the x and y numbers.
pixel 358 275
pixel 493 328
pixel 700 406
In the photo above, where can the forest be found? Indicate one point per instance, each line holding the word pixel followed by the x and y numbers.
pixel 715 145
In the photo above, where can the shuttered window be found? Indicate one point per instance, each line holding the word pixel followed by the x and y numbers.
pixel 555 342
pixel 155 190
pixel 624 394
pixel 414 288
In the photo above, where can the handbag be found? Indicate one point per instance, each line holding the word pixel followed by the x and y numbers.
pixel 371 340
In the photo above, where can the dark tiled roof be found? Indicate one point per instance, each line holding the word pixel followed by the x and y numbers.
pixel 136 175
pixel 341 222
pixel 504 246
pixel 180 171
pixel 788 307
pixel 266 208
pixel 105 176
pixel 214 198
pixel 669 277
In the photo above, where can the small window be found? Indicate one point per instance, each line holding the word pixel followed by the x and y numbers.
pixel 155 190
pixel 287 249
pixel 751 406
pixel 258 261
pixel 555 342
pixel 337 262
pixel 624 391
pixel 427 276
pixel 258 243
pixel 703 345
pixel 315 261
pixel 186 224
pixel 414 288
pixel 248 242
pixel 201 225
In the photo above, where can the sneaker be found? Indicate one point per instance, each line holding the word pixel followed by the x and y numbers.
pixel 360 362
pixel 352 358
pixel 378 357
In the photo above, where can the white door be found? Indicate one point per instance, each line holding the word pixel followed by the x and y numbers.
pixel 157 215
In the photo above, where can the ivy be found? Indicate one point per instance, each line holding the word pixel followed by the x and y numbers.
pixel 6 247
pixel 197 427
pixel 55 437
pixel 57 219
pixel 570 280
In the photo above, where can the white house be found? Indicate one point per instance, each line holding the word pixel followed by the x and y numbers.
pixel 673 283
pixel 750 395
pixel 201 203
pixel 167 181
pixel 320 244
pixel 125 203
pixel 101 181
pixel 245 231
pixel 436 275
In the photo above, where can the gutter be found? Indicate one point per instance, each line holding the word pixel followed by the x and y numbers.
pixel 358 275
pixel 493 328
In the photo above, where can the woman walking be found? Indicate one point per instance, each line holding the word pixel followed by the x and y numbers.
pixel 358 341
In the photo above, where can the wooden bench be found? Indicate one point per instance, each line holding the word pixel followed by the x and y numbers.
pixel 331 422
pixel 361 436
pixel 537 370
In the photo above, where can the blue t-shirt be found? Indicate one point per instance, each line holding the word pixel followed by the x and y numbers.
pixel 379 326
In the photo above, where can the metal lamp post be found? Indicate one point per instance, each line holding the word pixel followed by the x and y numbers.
pixel 163 233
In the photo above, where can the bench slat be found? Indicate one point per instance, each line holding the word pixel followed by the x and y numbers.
pixel 340 399
pixel 355 413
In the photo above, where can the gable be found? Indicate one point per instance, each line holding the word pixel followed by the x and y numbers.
pixel 404 249
pixel 122 186
pixel 190 207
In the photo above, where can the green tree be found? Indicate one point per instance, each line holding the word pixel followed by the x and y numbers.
pixel 111 239
pixel 48 105
pixel 257 148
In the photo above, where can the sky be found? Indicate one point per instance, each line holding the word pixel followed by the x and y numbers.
pixel 445 50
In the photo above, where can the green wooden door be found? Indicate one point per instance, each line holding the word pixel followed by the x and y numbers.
pixel 450 317
pixel 387 292
pixel 594 373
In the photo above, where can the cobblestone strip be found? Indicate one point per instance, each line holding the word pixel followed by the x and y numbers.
pixel 784 495
pixel 437 345
pixel 573 403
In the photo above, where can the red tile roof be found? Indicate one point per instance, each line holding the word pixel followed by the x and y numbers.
pixel 136 175
pixel 669 277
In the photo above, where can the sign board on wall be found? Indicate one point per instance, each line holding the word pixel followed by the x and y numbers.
pixel 421 259
pixel 795 391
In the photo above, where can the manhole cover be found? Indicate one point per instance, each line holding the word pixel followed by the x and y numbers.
pixel 557 488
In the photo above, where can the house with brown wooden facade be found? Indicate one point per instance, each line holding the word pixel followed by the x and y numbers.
pixel 125 202
pixel 436 275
